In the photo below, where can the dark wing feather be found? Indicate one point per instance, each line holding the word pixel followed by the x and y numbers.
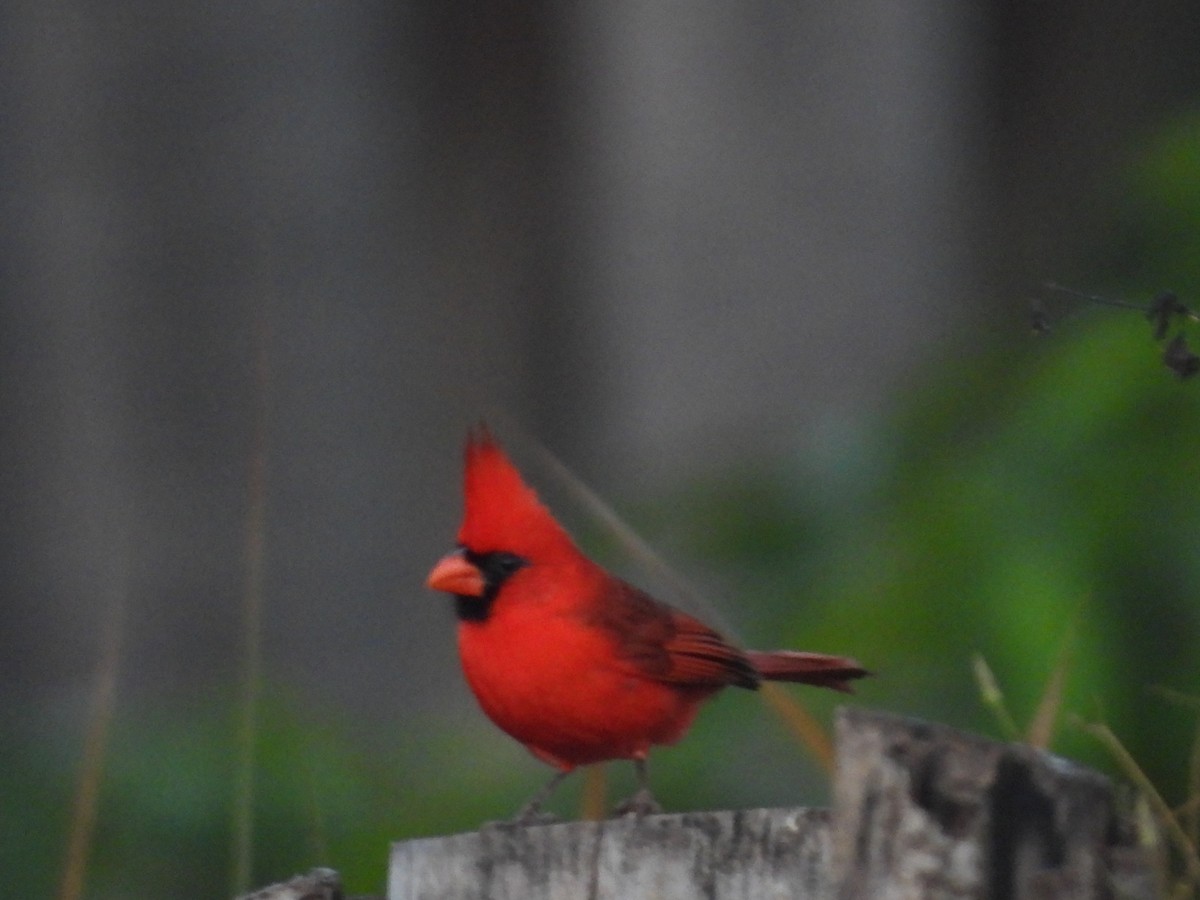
pixel 701 656
pixel 667 645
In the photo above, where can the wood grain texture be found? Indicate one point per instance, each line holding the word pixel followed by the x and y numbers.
pixel 762 853
pixel 924 811
pixel 319 884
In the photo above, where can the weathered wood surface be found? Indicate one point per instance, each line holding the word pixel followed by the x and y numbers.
pixel 924 811
pixel 762 853
pixel 920 811
pixel 319 884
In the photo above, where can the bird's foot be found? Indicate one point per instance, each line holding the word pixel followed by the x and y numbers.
pixel 640 804
pixel 530 814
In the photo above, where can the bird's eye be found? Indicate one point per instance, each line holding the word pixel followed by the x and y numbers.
pixel 496 566
pixel 507 563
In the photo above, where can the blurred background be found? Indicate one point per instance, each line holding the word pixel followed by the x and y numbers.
pixel 760 275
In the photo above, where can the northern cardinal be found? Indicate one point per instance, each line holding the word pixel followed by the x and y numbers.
pixel 574 663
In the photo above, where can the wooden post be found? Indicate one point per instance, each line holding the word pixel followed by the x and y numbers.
pixel 920 811
pixel 752 853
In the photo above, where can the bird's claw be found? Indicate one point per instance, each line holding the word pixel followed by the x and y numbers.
pixel 640 804
pixel 530 814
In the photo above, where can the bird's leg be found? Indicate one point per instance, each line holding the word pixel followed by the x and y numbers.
pixel 531 813
pixel 641 803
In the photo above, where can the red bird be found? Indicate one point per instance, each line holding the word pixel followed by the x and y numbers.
pixel 574 663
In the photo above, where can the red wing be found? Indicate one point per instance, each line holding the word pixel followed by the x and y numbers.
pixel 700 656
pixel 668 645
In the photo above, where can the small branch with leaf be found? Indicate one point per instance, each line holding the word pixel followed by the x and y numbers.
pixel 1165 313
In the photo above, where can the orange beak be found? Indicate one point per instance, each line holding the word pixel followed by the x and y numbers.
pixel 454 575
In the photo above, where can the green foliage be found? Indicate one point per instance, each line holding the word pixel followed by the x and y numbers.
pixel 33 810
pixel 1160 239
pixel 1037 491
pixel 1025 491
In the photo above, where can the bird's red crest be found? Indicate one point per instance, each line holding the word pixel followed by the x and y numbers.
pixel 502 512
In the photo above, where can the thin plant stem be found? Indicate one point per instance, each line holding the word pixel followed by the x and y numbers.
pixel 800 722
pixel 594 802
pixel 1041 727
pixel 103 707
pixel 993 697
pixel 1167 819
pixel 254 550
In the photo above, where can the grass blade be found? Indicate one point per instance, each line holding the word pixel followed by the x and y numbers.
pixel 993 697
pixel 800 722
pixel 103 706
pixel 1166 818
pixel 1192 820
pixel 252 612
pixel 1041 727
pixel 683 593
pixel 594 803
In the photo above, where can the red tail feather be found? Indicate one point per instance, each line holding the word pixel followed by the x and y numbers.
pixel 834 672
